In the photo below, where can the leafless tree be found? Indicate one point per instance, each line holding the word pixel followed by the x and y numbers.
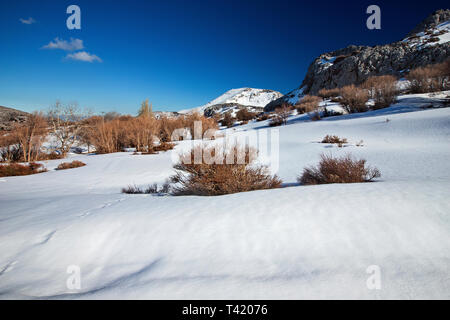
pixel 65 125
pixel 30 135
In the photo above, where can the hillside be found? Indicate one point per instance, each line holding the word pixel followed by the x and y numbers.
pixel 9 116
pixel 237 98
pixel 428 43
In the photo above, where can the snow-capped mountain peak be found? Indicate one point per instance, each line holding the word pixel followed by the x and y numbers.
pixel 243 96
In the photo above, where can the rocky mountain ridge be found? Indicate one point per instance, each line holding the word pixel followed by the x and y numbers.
pixel 427 43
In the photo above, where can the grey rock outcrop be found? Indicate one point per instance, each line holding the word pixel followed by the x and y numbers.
pixel 354 64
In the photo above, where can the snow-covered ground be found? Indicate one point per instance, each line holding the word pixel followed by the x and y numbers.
pixel 289 243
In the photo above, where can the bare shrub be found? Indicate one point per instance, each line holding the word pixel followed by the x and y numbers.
pixel 50 156
pixel 228 120
pixel 70 165
pixel 354 99
pixel 330 113
pixel 336 99
pixel 328 93
pixel 111 115
pixel 262 117
pixel 164 146
pixel 29 135
pixel 151 189
pixel 206 124
pixel 383 89
pixel 309 104
pixel 276 121
pixel 431 78
pixel 132 189
pixel 334 140
pixel 10 148
pixel 222 178
pixel 338 170
pixel 16 169
pixel 168 126
pixel 245 115
pixel 140 133
pixel 280 116
pixel 108 136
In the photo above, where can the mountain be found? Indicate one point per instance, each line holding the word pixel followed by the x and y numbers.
pixel 253 99
pixel 9 116
pixel 427 43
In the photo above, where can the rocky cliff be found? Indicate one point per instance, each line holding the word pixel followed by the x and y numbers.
pixel 427 43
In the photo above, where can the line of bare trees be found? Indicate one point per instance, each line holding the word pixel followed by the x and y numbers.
pixel 23 142
pixel 67 125
pixel 142 132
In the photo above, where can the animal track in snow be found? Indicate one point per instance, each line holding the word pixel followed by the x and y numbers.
pixel 46 238
pixel 9 266
pixel 103 206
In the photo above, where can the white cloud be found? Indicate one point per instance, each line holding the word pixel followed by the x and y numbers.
pixel 72 45
pixel 30 20
pixel 83 56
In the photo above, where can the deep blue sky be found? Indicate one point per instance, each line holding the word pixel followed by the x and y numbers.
pixel 179 54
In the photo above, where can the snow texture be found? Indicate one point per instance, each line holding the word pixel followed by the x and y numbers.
pixel 289 243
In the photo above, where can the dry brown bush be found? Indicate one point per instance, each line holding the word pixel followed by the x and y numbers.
pixel 334 140
pixel 70 165
pixel 354 99
pixel 309 104
pixel 164 146
pixel 228 120
pixel 133 189
pixel 276 121
pixel 245 115
pixel 151 189
pixel 140 132
pixel 262 117
pixel 168 126
pixel 10 148
pixel 16 169
pixel 50 156
pixel 222 178
pixel 338 170
pixel 107 136
pixel 383 89
pixel 281 115
pixel 206 124
pixel 431 78
pixel 29 136
pixel 328 93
